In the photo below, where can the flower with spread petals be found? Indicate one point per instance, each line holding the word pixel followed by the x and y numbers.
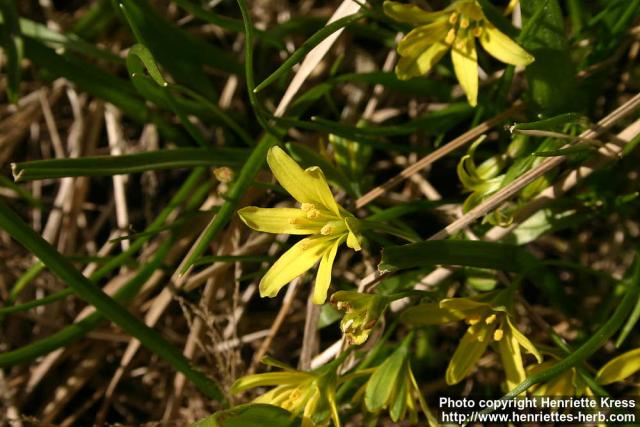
pixel 319 216
pixel 489 322
pixel 362 311
pixel 309 394
pixel 455 28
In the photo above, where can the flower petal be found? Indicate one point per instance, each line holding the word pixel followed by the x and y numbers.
pixel 323 278
pixel 509 350
pixel 502 47
pixel 524 341
pixel 419 39
pixel 471 348
pixel 465 65
pixel 268 378
pixel 300 258
pixel 278 220
pixel 306 186
pixel 410 13
pixel 429 314
pixel 422 62
pixel 619 368
pixel 464 306
pixel 322 191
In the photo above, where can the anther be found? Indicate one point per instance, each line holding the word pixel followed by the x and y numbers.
pixel 451 36
pixel 477 31
pixel 490 319
pixel 453 18
pixel 313 213
pixel 464 23
pixel 473 319
pixel 327 229
pixel 306 207
pixel 498 334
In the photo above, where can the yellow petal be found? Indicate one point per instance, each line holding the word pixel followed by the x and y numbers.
pixel 300 258
pixel 308 186
pixel 267 379
pixel 322 191
pixel 619 368
pixel 323 278
pixel 429 314
pixel 410 13
pixel 471 348
pixel 524 341
pixel 502 47
pixel 422 62
pixel 465 65
pixel 352 238
pixel 509 350
pixel 419 39
pixel 278 220
pixel 465 306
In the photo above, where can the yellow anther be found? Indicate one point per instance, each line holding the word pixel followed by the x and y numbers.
pixel 306 207
pixel 453 18
pixel 313 213
pixel 473 319
pixel 327 229
pixel 477 31
pixel 498 334
pixel 451 36
pixel 490 319
pixel 464 23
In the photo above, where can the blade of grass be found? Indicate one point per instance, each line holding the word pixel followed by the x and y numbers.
pixel 12 46
pixel 127 163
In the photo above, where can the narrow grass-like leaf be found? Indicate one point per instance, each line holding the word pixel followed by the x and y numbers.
pixel 12 47
pixel 306 47
pixel 552 123
pixel 471 253
pixel 128 163
pixel 250 415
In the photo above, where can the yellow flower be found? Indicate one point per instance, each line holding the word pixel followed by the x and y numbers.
pixel 310 394
pixel 328 224
pixel 568 383
pixel 362 311
pixel 489 322
pixel 455 27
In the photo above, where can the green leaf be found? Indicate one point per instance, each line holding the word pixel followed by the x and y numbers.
pixel 182 55
pixel 552 76
pixel 127 163
pixel 12 47
pixel 250 415
pixel 383 382
pixel 470 253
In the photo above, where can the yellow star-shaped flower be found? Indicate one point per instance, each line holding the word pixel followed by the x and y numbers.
pixel 319 215
pixel 489 322
pixel 455 28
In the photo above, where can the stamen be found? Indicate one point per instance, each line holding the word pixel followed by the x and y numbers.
pixel 313 213
pixel 464 23
pixel 451 36
pixel 489 320
pixel 306 207
pixel 498 334
pixel 477 31
pixel 473 319
pixel 453 18
pixel 327 229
